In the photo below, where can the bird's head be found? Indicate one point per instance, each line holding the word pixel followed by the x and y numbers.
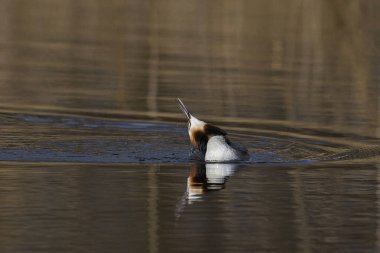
pixel 199 131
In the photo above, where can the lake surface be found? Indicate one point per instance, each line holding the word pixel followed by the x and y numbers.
pixel 94 152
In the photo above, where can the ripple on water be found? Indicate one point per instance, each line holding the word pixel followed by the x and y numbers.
pixel 57 138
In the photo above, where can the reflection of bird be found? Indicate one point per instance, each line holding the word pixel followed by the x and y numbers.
pixel 211 142
pixel 208 177
pixel 204 178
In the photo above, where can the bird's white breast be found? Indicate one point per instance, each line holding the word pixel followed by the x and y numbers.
pixel 218 150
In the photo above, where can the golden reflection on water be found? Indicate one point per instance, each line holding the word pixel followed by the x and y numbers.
pixel 308 62
pixel 303 63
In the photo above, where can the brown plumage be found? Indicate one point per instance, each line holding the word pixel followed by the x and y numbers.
pixel 200 136
pixel 204 136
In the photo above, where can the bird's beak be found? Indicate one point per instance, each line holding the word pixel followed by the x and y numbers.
pixel 184 109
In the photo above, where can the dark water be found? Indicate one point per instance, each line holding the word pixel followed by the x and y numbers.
pixel 94 151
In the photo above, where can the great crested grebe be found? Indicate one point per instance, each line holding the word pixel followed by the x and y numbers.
pixel 211 141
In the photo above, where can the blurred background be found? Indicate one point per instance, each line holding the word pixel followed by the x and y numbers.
pixel 306 63
pixel 90 160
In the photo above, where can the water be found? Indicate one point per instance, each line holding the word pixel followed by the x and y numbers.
pixel 94 150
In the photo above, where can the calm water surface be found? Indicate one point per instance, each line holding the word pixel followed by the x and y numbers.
pixel 94 153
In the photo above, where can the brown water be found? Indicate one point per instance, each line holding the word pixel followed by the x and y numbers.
pixel 94 150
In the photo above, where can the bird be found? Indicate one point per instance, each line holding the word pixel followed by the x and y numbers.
pixel 210 142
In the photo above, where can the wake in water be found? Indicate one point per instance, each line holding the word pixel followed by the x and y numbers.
pixel 57 138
